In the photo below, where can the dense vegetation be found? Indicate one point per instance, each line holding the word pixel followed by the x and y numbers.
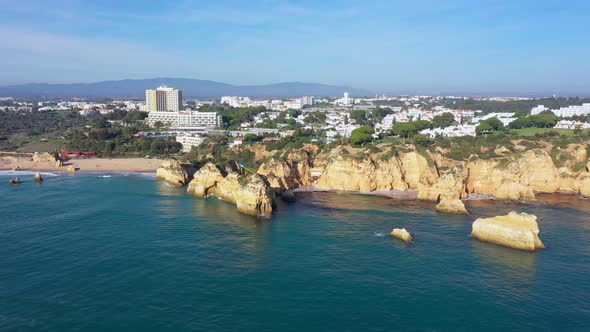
pixel 70 130
pixel 520 107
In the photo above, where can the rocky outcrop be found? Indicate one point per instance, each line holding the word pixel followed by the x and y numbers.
pixel 451 205
pixel 515 230
pixel 37 177
pixel 286 174
pixel 175 172
pixel 514 178
pixel 14 181
pixel 251 193
pixel 71 169
pixel 518 174
pixel 402 234
pixel 400 172
pixel 44 158
pixel 58 163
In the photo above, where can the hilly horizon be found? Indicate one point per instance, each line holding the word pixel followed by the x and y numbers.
pixel 191 88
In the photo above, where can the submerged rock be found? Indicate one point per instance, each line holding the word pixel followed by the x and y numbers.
pixel 175 172
pixel 37 177
pixel 402 234
pixel 454 206
pixel 515 230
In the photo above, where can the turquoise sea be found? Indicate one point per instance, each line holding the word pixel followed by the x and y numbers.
pixel 128 253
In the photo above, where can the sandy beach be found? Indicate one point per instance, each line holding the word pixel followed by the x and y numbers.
pixel 85 165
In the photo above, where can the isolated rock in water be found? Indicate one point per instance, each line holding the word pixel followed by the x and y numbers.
pixel 71 169
pixel 14 181
pixel 454 206
pixel 175 172
pixel 401 234
pixel 38 177
pixel 515 230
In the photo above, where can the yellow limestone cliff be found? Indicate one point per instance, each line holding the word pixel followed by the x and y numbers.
pixel 400 172
pixel 515 230
pixel 285 175
pixel 435 177
pixel 250 193
pixel 514 178
pixel 175 172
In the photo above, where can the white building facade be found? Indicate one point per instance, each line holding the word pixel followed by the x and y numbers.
pixel 188 141
pixel 186 119
pixel 163 99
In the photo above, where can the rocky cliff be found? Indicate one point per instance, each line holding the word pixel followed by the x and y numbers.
pixel 251 193
pixel 514 177
pixel 175 172
pixel 286 174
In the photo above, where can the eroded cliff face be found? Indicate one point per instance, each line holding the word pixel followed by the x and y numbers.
pixel 286 174
pixel 400 172
pixel 250 193
pixel 175 172
pixel 435 177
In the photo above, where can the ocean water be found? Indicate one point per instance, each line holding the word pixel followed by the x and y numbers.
pixel 129 253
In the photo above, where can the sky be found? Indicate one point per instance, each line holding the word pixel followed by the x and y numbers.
pixel 389 46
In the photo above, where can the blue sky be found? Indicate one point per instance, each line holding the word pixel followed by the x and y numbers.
pixel 422 46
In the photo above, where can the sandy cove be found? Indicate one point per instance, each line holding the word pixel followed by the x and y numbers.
pixel 141 165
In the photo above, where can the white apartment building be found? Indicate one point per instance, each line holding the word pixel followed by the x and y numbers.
pixel 452 131
pixel 189 140
pixel 306 100
pixel 538 109
pixel 186 119
pixel 575 110
pixel 163 99
pixel 564 124
pixel 235 101
pixel 505 118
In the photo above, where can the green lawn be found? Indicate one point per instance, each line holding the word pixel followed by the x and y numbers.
pixel 50 145
pixel 533 131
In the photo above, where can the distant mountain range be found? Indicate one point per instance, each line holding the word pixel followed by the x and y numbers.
pixel 190 88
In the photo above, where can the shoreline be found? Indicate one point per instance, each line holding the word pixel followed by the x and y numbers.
pixel 93 165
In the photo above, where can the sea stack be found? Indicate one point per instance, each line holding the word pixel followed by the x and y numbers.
pixel 515 230
pixel 453 206
pixel 38 177
pixel 251 193
pixel 402 234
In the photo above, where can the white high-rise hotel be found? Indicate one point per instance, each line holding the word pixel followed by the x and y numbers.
pixel 164 105
pixel 163 99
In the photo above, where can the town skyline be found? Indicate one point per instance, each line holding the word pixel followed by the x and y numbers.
pixel 426 47
pixel 199 88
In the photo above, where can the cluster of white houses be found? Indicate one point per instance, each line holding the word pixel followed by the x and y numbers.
pixel 565 112
pixel 164 105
